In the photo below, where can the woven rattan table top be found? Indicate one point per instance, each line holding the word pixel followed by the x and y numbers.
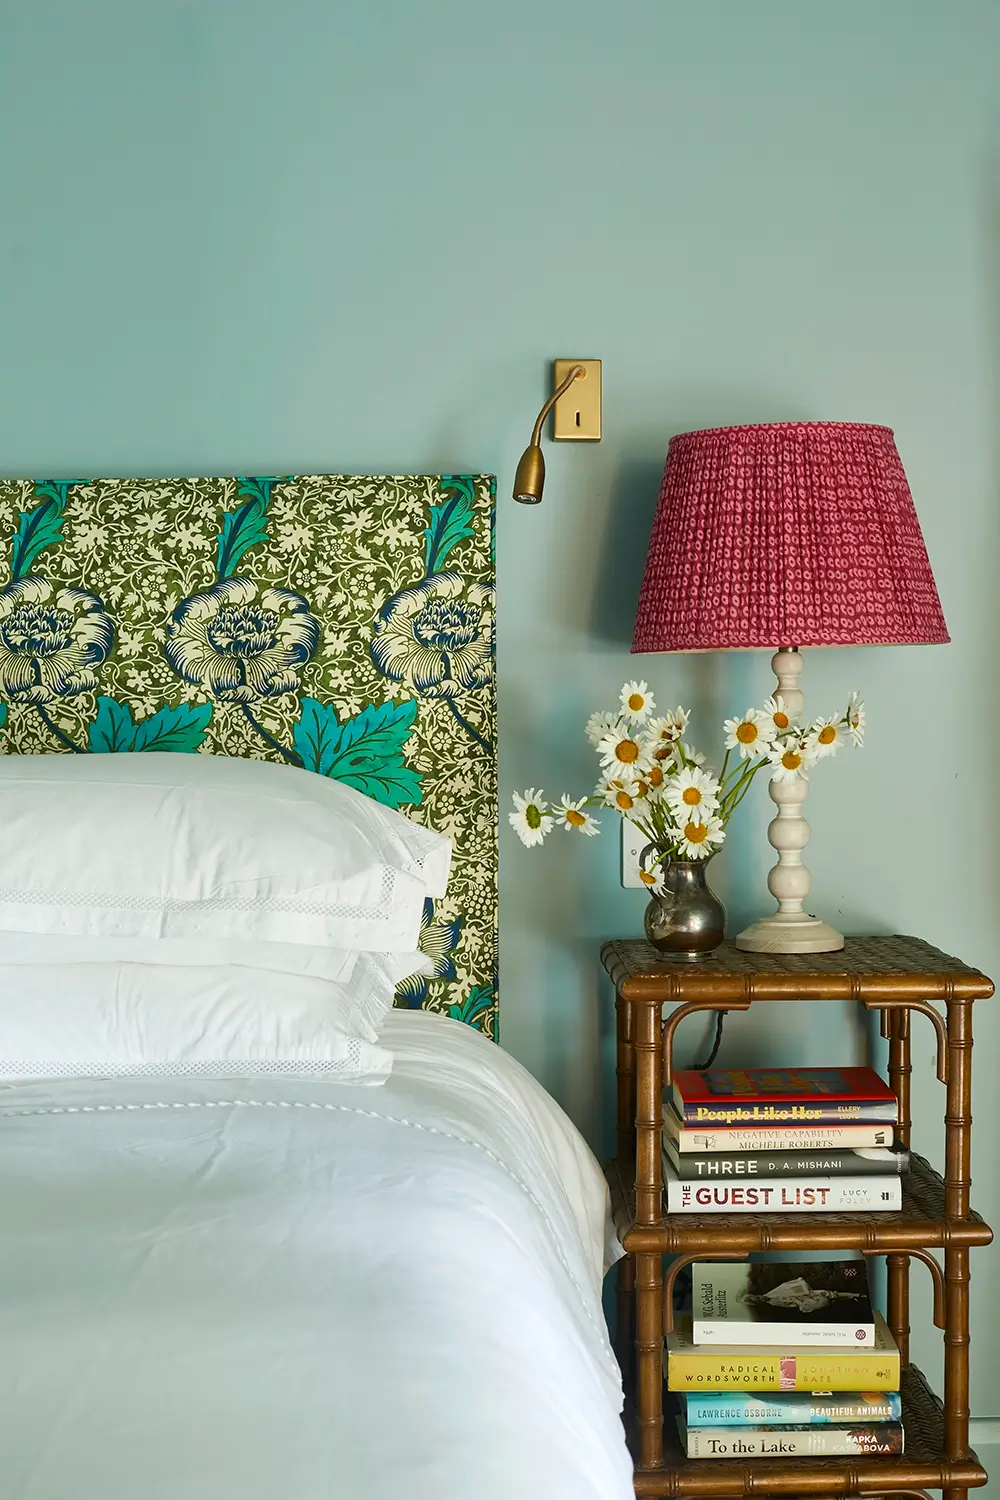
pixel 637 966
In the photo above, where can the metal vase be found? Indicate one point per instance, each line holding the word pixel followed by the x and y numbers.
pixel 685 919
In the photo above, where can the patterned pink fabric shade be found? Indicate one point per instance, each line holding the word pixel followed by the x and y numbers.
pixel 790 534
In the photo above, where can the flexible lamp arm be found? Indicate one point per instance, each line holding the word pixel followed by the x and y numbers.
pixel 530 476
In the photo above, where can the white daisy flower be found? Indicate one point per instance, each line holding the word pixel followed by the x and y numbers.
pixel 660 735
pixel 622 754
pixel 619 793
pixel 693 757
pixel 750 735
pixel 826 736
pixel 856 719
pixel 573 815
pixel 791 760
pixel 776 711
pixel 658 739
pixel 637 701
pixel 530 820
pixel 654 779
pixel 692 792
pixel 700 837
pixel 600 725
pixel 652 879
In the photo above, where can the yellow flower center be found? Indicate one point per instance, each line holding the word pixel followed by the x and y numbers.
pixel 691 796
pixel 643 789
pixel 747 732
pixel 627 751
pixel 623 800
pixel 656 776
pixel 635 702
pixel 781 721
pixel 646 878
pixel 791 760
pixel 576 818
pixel 827 734
pixel 663 753
pixel 696 833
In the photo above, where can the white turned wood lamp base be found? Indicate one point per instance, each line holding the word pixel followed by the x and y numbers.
pixel 791 929
pixel 783 934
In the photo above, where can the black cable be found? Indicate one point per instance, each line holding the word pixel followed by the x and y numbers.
pixel 700 1067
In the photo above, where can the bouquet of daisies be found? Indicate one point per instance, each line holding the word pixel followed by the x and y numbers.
pixel 650 775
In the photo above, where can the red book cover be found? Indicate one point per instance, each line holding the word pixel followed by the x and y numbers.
pixel 741 1097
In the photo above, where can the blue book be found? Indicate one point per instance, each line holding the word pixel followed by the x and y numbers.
pixel 744 1409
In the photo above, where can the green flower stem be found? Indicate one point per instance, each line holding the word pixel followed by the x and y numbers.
pixel 469 729
pixel 742 794
pixel 734 794
pixel 60 734
pixel 739 789
pixel 289 755
pixel 648 830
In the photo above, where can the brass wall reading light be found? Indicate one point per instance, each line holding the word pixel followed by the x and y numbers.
pixel 585 424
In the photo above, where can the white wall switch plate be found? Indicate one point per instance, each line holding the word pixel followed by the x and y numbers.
pixel 633 843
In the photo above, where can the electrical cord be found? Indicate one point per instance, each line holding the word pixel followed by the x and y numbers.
pixel 710 1059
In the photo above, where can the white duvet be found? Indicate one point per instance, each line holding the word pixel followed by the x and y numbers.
pixel 280 1290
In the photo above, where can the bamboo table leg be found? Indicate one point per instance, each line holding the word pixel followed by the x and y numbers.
pixel 957 1184
pixel 649 1359
pixel 898 1266
pixel 626 1084
pixel 625 1340
pixel 649 1209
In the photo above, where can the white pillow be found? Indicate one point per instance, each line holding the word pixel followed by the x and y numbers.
pixel 113 1020
pixel 203 953
pixel 200 846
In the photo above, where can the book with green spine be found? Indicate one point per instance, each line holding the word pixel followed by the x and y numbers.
pixel 744 1409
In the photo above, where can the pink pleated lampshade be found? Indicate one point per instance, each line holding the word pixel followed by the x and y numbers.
pixel 789 534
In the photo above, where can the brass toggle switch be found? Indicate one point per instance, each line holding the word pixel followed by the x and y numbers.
pixel 576 416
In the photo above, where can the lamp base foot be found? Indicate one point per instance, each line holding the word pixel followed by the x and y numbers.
pixel 790 932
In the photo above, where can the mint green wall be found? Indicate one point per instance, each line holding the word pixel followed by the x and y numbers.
pixel 289 235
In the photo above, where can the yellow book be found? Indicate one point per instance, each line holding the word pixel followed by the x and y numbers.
pixel 700 1367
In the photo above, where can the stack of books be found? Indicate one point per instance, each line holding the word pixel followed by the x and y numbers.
pixel 804 1331
pixel 785 1140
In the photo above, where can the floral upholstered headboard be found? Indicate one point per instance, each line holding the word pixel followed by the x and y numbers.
pixel 337 623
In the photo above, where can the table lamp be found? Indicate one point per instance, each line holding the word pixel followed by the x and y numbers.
pixel 786 535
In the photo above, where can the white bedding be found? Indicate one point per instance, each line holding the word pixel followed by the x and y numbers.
pixel 286 1290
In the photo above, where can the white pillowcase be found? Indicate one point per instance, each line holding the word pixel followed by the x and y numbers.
pixel 112 1020
pixel 283 958
pixel 199 846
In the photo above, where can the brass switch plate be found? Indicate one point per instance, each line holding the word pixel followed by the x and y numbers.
pixel 576 416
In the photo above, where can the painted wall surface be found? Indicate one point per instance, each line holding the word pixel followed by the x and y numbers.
pixel 243 235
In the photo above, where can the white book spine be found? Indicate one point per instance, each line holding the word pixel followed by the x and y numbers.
pixel 785 1196
pixel 812 1442
pixel 777 1335
pixel 799 1138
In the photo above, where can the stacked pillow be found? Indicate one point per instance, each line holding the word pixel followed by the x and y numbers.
pixel 194 914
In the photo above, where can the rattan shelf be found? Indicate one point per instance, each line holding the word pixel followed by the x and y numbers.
pixel 921 1223
pixel 899 977
pixel 923 1466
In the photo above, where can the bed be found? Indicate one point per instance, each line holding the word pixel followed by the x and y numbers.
pixel 288 1290
pixel 252 1287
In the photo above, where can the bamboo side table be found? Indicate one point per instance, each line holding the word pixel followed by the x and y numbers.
pixel 898 976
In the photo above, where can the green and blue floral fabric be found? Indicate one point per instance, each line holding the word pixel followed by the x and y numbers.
pixel 336 623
